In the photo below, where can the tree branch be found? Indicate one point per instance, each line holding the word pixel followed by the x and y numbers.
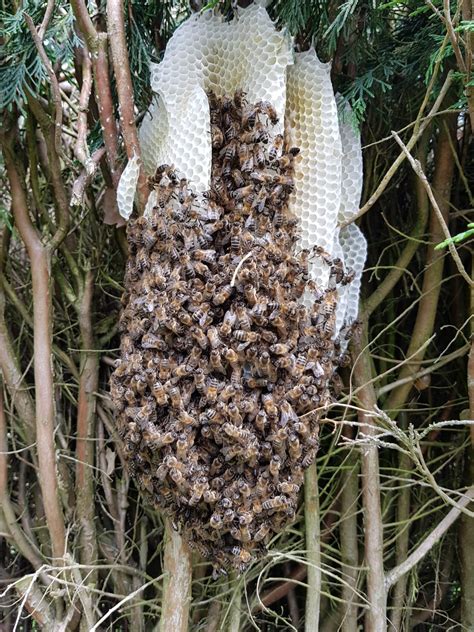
pixel 39 256
pixel 417 168
pixel 412 560
pixel 398 161
pixel 376 617
pixel 58 108
pixel 313 551
pixel 118 47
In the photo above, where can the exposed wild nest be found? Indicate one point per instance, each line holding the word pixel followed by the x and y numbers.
pixel 223 371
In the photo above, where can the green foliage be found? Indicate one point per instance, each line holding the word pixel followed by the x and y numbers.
pixel 392 47
pixel 21 68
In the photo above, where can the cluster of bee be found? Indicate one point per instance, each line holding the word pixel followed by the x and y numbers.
pixel 223 372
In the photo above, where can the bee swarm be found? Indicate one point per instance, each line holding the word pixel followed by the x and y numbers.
pixel 223 372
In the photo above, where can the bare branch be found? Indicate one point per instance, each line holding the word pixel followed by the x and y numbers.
pixel 80 148
pixel 118 47
pixel 429 542
pixel 417 168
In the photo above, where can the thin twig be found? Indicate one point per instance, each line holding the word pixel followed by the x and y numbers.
pixel 417 168
pixel 58 110
pixel 398 161
pixel 428 543
pixel 80 148
pixel 46 18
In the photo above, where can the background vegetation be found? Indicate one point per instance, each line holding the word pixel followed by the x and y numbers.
pixel 386 538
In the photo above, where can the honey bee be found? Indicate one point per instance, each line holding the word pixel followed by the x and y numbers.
pixel 230 150
pixel 274 466
pixel 258 156
pixel 234 414
pixel 159 393
pixel 239 98
pixel 210 496
pixel 279 502
pixel 217 136
pixel 243 335
pixel 199 336
pixel 197 490
pixel 216 521
pixel 223 295
pixel 175 398
pixel 216 362
pixel 245 158
pixel 231 357
pixel 267 108
pixel 242 555
pixel 237 178
pixel 289 488
pixel 261 532
pixel 182 370
pixel 229 515
pixel 242 192
pixel 231 130
pixel 294 447
pixel 308 458
pixel 186 419
pixel 261 421
pixel 276 148
pixel 235 239
pixel 211 390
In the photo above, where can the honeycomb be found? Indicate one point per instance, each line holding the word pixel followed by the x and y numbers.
pixel 354 247
pixel 311 124
pixel 205 54
pixel 219 424
pixel 352 172
pixel 127 186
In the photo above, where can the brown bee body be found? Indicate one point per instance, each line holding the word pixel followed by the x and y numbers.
pixel 220 361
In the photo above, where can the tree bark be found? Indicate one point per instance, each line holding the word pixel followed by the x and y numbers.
pixel 313 551
pixel 176 597
pixel 376 617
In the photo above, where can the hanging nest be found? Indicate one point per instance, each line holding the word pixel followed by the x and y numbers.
pixel 223 371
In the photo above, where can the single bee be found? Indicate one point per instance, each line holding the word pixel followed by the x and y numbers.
pixel 237 177
pixel 294 447
pixel 261 421
pixel 210 496
pixel 245 158
pixel 215 521
pixel 217 137
pixel 186 419
pixel 223 295
pixel 261 532
pixel 267 108
pixel 216 362
pixel 241 555
pixel 276 148
pixel 279 502
pixel 274 466
pixel 286 487
pixel 233 412
pixel 197 490
pixel 239 98
pixel 199 336
pixel 159 393
pixel 211 390
pixel 175 397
